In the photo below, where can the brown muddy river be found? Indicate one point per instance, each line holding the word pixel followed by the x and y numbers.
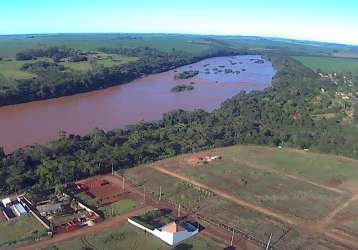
pixel 146 98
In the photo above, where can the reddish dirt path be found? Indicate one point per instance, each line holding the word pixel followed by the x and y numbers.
pixel 106 224
pixel 311 227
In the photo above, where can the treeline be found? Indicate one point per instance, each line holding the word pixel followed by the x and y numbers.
pixel 56 53
pixel 52 81
pixel 279 115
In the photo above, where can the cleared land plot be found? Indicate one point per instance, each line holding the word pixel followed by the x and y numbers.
pixel 330 64
pixel 333 171
pixel 174 191
pixel 259 186
pixel 347 219
pixel 129 237
pixel 260 226
pixel 292 193
pixel 20 229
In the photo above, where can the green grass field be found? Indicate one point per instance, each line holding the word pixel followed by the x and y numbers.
pixel 330 64
pixel 129 237
pixel 287 181
pixel 9 46
pixel 19 229
pixel 173 191
pixel 118 207
pixel 11 69
pixel 242 173
pixel 347 219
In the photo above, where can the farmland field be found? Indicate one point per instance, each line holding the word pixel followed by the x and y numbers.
pixel 129 237
pixel 330 64
pixel 263 189
pixel 24 228
pixel 9 45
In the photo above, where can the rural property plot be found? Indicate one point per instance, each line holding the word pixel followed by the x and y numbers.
pixel 261 187
pixel 246 185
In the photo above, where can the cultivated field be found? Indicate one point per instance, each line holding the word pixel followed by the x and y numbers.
pixel 9 45
pixel 330 64
pixel 293 194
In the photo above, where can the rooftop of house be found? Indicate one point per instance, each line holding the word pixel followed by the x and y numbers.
pixel 175 227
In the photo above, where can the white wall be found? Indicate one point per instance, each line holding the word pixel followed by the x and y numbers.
pixel 169 238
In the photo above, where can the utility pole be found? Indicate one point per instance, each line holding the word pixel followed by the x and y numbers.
pixel 144 194
pixel 269 242
pixel 232 237
pixel 112 169
pixel 123 182
pixel 160 192
pixel 179 211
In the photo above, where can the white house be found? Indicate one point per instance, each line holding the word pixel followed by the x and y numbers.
pixel 172 233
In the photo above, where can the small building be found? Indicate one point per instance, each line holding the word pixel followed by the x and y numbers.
pixel 18 209
pixel 172 233
pixel 7 201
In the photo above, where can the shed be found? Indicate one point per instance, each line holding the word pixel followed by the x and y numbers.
pixel 18 209
pixel 6 201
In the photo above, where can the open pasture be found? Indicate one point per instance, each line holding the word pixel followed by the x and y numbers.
pixel 10 45
pixel 291 193
pixel 330 64
pixel 240 176
pixel 174 191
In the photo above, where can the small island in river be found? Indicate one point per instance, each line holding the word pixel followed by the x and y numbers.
pixel 186 74
pixel 183 87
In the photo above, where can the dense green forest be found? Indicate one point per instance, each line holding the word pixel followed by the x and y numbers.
pixel 53 80
pixel 285 114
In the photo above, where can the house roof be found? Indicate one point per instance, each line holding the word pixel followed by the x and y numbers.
pixel 173 228
pixel 19 208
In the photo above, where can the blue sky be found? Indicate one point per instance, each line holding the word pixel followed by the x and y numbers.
pixel 323 20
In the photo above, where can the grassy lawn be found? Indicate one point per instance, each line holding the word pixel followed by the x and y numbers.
pixel 129 237
pixel 325 169
pixel 87 199
pixel 19 229
pixel 330 64
pixel 11 69
pixel 235 175
pixel 347 219
pixel 174 191
pixel 118 207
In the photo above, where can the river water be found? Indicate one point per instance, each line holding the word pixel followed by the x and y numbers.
pixel 146 98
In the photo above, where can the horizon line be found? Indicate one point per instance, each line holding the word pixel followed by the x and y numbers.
pixel 193 34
